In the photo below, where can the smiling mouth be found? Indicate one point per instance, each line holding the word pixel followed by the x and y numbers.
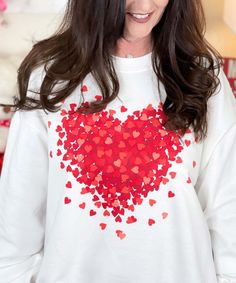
pixel 140 18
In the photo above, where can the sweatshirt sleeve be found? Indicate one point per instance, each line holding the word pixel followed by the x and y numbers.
pixel 216 184
pixel 217 192
pixel 23 186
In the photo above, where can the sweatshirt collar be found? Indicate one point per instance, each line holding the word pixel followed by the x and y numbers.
pixel 137 64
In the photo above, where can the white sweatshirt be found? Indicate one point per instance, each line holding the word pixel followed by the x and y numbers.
pixel 113 197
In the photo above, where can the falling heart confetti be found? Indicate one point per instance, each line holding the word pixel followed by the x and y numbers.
pixel 67 200
pixel 120 234
pixel 164 215
pixel 173 175
pixel 152 202
pixel 151 221
pixel 82 205
pixel 187 142
pixel 103 225
pixel 84 88
pixel 171 194
pixel 189 181
pixel 131 219
pixel 92 212
pixel 69 185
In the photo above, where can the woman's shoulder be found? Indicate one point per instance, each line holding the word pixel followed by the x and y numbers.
pixel 221 108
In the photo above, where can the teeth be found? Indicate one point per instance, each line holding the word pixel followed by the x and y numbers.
pixel 139 16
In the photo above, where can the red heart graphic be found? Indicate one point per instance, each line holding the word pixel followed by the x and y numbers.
pixel 152 202
pixel 103 225
pixel 84 88
pixel 118 162
pixel 67 200
pixel 187 142
pixel 171 194
pixel 92 212
pixel 164 215
pixel 172 174
pixel 82 205
pixel 131 219
pixel 69 185
pixel 120 234
pixel 151 222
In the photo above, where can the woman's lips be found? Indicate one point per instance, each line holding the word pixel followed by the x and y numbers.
pixel 139 18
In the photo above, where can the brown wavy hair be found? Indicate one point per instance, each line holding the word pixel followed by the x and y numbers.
pixel 186 64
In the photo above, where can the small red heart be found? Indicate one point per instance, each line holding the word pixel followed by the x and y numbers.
pixel 131 220
pixel 187 142
pixel 80 141
pixel 49 124
pixel 88 148
pixel 131 207
pixel 69 185
pixel 125 190
pixel 84 88
pixel 179 160
pixel 136 134
pixel 103 225
pixel 120 234
pixel 164 215
pixel 155 155
pixel 82 205
pixel 151 222
pixel 92 212
pixel 165 180
pixel 106 213
pixel 98 204
pixel 63 112
pixel 123 109
pixel 61 135
pixel 95 198
pixel 194 163
pixel 171 194
pixel 50 153
pixel 98 97
pixel 189 181
pixel 58 129
pixel 118 219
pixel 172 174
pixel 117 163
pixel 108 140
pixel 84 191
pixel 67 200
pixel 152 202
pixel 139 201
pixel 112 112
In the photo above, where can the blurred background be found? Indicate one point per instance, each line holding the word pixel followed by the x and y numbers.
pixel 22 22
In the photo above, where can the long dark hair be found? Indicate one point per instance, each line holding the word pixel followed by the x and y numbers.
pixel 182 59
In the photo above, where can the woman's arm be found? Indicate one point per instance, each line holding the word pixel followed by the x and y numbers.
pixel 23 190
pixel 216 189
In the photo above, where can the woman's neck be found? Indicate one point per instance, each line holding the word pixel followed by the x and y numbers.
pixel 136 48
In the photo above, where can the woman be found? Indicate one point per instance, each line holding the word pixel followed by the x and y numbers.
pixel 123 170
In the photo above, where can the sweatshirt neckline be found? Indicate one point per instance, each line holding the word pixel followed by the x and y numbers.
pixel 136 64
